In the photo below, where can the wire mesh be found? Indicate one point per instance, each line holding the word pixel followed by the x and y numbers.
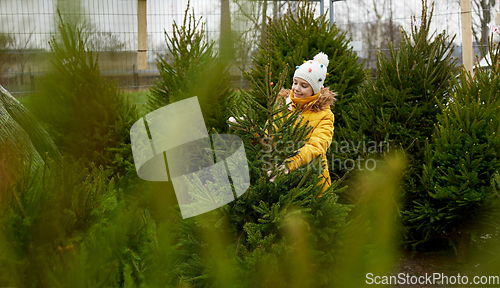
pixel 26 26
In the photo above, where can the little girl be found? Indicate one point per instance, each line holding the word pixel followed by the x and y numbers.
pixel 309 95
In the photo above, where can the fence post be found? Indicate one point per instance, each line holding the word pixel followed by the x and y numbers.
pixel 466 35
pixel 497 20
pixel 226 47
pixel 332 14
pixel 142 31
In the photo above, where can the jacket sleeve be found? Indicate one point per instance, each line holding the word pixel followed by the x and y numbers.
pixel 318 143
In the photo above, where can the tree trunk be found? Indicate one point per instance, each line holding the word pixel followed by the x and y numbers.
pixel 485 20
pixel 275 10
pixel 379 33
pixel 391 27
pixel 264 20
pixel 225 42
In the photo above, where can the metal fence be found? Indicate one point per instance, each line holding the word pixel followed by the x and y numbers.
pixel 26 26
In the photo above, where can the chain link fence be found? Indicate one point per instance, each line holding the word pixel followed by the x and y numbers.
pixel 111 30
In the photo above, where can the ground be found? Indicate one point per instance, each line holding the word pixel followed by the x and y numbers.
pixel 430 262
pixel 481 258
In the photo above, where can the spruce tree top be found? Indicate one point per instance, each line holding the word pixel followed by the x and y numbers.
pixel 402 103
pixel 294 38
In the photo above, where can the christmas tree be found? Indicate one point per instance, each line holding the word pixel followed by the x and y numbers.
pixel 460 163
pixel 397 111
pixel 280 231
pixel 298 36
pixel 192 68
pixel 86 115
pixel 22 136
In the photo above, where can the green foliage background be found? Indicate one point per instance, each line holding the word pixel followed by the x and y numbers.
pixel 402 104
pixel 193 68
pixel 86 115
pixel 460 162
pixel 81 220
pixel 278 233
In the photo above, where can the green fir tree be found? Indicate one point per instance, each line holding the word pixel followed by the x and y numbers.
pixel 75 228
pixel 398 110
pixel 277 233
pixel 461 160
pixel 193 68
pixel 297 37
pixel 86 115
pixel 22 137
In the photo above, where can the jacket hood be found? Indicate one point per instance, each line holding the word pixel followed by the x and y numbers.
pixel 325 100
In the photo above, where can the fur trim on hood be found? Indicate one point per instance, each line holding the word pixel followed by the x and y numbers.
pixel 325 100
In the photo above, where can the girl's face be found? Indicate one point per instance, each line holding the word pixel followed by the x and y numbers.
pixel 301 88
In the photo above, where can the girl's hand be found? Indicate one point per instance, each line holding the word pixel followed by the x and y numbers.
pixel 280 168
pixel 233 120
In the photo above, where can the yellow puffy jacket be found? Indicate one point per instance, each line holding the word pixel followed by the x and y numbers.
pixel 321 119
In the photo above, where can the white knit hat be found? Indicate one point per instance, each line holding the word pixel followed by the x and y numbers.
pixel 314 71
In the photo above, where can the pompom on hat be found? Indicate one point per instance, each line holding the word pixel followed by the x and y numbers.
pixel 314 71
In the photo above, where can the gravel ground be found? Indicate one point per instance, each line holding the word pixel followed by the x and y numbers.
pixel 426 263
